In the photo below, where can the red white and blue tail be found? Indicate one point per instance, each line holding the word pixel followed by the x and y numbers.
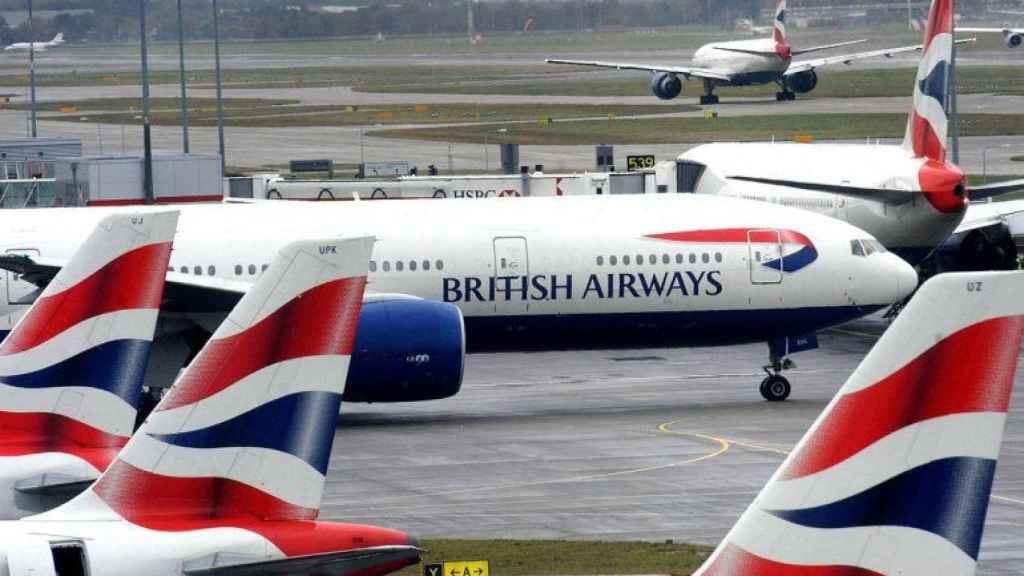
pixel 71 371
pixel 895 476
pixel 246 431
pixel 928 123
pixel 782 47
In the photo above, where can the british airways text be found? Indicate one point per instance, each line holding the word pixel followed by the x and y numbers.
pixel 556 287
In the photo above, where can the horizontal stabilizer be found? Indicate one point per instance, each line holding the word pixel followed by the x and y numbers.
pixel 996 189
pixel 345 563
pixel 52 485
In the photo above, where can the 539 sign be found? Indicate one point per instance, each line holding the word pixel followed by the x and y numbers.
pixel 641 162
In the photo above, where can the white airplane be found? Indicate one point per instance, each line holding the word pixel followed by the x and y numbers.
pixel 36 46
pixel 534 273
pixel 745 63
pixel 226 476
pixel 1013 37
pixel 71 372
pixel 908 196
pixel 894 477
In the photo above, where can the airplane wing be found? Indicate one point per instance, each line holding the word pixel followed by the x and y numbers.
pixel 827 47
pixel 984 214
pixel 345 563
pixel 806 65
pixel 879 194
pixel 686 71
pixel 996 189
pixel 985 30
pixel 34 270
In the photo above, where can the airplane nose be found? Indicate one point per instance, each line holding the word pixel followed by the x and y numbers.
pixel 904 275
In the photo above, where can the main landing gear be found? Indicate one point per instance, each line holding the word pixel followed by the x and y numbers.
pixel 775 387
pixel 709 96
pixel 785 96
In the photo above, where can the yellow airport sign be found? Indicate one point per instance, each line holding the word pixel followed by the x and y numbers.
pixel 421 108
pixel 475 568
pixel 803 139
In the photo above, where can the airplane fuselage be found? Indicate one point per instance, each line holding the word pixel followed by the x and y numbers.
pixel 743 68
pixel 540 273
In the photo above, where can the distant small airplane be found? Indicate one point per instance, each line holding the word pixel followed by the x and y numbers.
pixel 1014 37
pixel 36 46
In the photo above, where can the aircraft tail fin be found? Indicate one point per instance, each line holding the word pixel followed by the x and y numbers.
pixel 896 474
pixel 71 371
pixel 246 431
pixel 58 39
pixel 928 123
pixel 782 47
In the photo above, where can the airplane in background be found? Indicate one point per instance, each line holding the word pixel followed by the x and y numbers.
pixel 908 196
pixel 746 63
pixel 895 476
pixel 36 46
pixel 226 476
pixel 529 273
pixel 71 372
pixel 1013 37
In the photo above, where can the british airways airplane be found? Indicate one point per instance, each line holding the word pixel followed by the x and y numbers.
pixel 71 372
pixel 746 63
pixel 226 476
pixel 909 196
pixel 894 478
pixel 531 273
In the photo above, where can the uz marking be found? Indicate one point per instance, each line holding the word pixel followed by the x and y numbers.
pixel 974 286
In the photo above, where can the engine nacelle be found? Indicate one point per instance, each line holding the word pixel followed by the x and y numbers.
pixel 406 350
pixel 803 82
pixel 988 248
pixel 666 85
pixel 1013 39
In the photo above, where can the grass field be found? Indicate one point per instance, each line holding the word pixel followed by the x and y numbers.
pixel 566 558
pixel 831 83
pixel 264 113
pixel 696 130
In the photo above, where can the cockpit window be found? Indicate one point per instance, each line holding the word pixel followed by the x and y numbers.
pixel 855 248
pixel 866 247
pixel 869 247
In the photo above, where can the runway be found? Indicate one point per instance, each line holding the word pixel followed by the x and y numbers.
pixel 654 445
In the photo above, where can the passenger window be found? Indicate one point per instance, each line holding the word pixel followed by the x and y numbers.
pixel 613 260
pixel 679 258
pixel 211 271
pixel 625 260
pixel 373 266
pixel 718 257
pixel 600 260
pixel 757 255
pixel 398 265
pixel 412 265
pixel 387 266
pixel 705 258
pixel 265 266
pixel 197 270
pixel 693 258
pixel 665 259
pixel 652 259
pixel 639 259
pixel 504 264
pixel 426 265
pixel 252 269
pixel 184 269
pixel 238 269
pixel 439 265
pixel 855 248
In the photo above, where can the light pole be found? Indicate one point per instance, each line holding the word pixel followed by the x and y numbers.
pixel 984 159
pixel 181 65
pixel 32 69
pixel 220 96
pixel 147 139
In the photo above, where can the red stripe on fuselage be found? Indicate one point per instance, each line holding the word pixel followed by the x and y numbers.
pixel 134 280
pixel 735 561
pixel 305 326
pixel 24 433
pixel 953 377
pixel 735 235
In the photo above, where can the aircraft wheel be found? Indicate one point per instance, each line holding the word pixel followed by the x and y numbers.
pixel 775 388
pixel 709 99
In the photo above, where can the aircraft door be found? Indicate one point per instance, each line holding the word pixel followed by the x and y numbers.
pixel 765 249
pixel 17 290
pixel 511 275
pixel 30 557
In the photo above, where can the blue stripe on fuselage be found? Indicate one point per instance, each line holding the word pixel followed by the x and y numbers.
pixel 652 329
pixel 117 367
pixel 300 424
pixel 948 498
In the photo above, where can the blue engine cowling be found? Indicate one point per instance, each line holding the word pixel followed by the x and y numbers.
pixel 666 86
pixel 406 350
pixel 1014 40
pixel 803 82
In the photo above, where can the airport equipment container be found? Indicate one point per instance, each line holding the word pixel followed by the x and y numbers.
pixel 118 180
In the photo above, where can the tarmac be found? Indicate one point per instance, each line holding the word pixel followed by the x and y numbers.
pixel 664 444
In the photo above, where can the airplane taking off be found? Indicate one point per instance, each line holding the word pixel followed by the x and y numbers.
pixel 746 63
pixel 895 476
pixel 537 273
pixel 226 476
pixel 908 196
pixel 71 372
pixel 36 46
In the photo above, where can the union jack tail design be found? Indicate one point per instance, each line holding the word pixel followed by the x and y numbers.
pixel 895 476
pixel 928 123
pixel 71 371
pixel 782 47
pixel 246 431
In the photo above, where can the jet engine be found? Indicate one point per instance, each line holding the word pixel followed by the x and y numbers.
pixel 406 350
pixel 1013 39
pixel 666 85
pixel 987 248
pixel 803 82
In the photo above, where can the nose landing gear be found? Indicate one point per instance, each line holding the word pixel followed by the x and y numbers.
pixel 775 387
